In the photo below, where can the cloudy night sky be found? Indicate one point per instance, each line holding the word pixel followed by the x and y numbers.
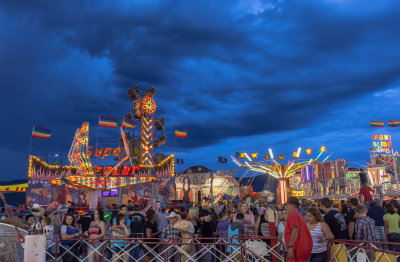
pixel 238 75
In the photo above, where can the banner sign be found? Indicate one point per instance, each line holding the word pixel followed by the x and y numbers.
pixel 226 172
pixel 14 188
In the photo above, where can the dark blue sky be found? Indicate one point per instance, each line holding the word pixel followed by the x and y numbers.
pixel 239 75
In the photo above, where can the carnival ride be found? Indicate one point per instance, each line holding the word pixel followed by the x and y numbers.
pixel 275 167
pixel 135 162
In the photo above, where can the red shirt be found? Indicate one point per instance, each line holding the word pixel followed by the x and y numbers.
pixel 366 192
pixel 303 245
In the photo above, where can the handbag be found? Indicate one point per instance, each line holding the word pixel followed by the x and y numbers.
pixel 258 247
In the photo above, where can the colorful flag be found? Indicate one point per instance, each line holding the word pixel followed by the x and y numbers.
pixel 106 121
pixel 378 124
pixel 393 123
pixel 180 133
pixel 128 123
pixel 41 132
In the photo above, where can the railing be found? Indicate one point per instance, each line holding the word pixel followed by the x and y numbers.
pixel 369 251
pixel 10 248
pixel 236 249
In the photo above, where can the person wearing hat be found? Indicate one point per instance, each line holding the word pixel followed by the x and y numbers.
pixel 297 236
pixel 37 211
pixel 187 230
pixel 170 234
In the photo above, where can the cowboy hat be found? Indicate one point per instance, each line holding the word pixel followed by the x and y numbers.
pixel 37 210
pixel 185 225
pixel 173 214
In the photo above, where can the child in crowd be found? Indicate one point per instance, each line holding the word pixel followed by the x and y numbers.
pixel 223 225
pixel 222 229
pixel 48 230
pixel 235 230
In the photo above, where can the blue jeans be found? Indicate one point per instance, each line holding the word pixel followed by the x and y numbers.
pixel 318 257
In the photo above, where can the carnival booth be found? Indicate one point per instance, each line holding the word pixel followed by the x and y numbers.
pixel 198 182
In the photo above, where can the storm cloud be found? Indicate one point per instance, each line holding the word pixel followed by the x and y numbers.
pixel 228 71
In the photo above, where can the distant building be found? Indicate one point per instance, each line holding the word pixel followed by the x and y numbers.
pixel 194 183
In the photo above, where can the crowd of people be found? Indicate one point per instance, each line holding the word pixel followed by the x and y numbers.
pixel 303 226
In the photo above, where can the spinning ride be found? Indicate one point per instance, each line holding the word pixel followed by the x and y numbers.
pixel 275 167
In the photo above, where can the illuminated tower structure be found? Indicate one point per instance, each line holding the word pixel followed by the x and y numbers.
pixel 78 154
pixel 144 108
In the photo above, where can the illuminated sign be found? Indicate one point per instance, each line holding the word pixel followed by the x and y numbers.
pixel 298 193
pixel 104 152
pixel 242 155
pixel 119 171
pixel 382 137
pixel 267 156
pixel 322 149
pixel 281 157
pixel 309 151
pixel 381 142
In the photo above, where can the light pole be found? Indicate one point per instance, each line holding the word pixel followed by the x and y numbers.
pixel 211 188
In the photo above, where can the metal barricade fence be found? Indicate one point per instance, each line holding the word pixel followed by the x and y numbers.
pixel 10 248
pixel 236 249
pixel 360 251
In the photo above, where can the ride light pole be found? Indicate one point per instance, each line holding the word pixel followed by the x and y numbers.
pixel 211 188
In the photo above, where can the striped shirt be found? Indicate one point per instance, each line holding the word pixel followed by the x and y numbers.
pixel 316 235
pixel 222 228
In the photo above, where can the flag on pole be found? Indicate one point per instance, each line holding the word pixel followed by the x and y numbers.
pixel 222 159
pixel 40 132
pixel 180 133
pixel 128 123
pixel 393 123
pixel 378 124
pixel 106 121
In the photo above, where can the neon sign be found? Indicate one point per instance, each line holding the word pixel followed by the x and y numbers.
pixel 298 193
pixel 119 171
pixel 381 142
pixel 104 152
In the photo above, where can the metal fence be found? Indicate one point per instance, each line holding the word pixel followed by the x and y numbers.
pixel 236 249
pixel 10 248
pixel 363 251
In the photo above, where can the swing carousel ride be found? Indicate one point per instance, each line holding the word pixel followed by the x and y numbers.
pixel 279 168
pixel 133 162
